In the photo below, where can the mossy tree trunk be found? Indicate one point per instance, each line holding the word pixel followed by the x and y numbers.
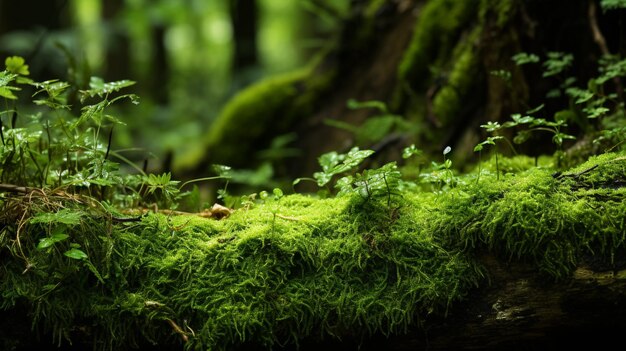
pixel 432 63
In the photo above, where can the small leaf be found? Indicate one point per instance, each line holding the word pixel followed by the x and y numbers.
pixel 6 93
pixel 478 147
pixel 16 64
pixel 523 58
pixel 75 254
pixel 521 137
pixel 491 126
pixel 47 242
pixel 277 193
pixel 64 216
pixel 410 151
pixel 353 104
pixel 613 4
pixel 596 112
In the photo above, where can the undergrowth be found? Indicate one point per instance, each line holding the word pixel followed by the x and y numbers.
pixel 100 253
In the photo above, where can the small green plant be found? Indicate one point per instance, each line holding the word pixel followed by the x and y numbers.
pixel 539 124
pixel 372 183
pixel 272 201
pixel 334 163
pixel 479 148
pixel 411 151
pixel 441 174
pixel 494 128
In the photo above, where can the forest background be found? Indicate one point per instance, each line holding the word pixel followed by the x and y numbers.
pixel 188 57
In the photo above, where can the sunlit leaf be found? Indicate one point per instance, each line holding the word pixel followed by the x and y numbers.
pixel 16 65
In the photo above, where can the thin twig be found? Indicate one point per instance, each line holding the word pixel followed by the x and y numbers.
pixel 599 39
pixel 178 330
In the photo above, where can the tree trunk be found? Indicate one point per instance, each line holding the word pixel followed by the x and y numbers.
pixel 243 17
pixel 117 64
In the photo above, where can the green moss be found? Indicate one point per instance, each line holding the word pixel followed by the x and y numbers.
pixel 305 267
pixel 247 116
pixel 436 31
pixel 504 10
pixel 540 217
pixel 463 77
pixel 515 164
pixel 265 109
pixel 372 8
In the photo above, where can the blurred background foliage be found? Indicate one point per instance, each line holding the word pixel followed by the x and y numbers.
pixel 188 56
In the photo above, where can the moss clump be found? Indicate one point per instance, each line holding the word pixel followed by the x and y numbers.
pixel 248 114
pixel 272 274
pixel 538 216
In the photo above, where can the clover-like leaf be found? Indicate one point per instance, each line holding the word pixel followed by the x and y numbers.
pixel 16 65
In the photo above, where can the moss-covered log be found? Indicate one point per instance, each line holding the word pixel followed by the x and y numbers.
pixel 299 269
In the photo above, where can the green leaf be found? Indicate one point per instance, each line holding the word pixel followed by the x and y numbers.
pixel 524 58
pixel 333 163
pixel 353 104
pixel 277 193
pixel 64 216
pixel 581 95
pixel 559 137
pixel 100 88
pixel 49 241
pixel 491 126
pixel 556 63
pixel 16 65
pixel 411 151
pixel 613 4
pixel 535 110
pixel 564 115
pixel 610 67
pixel 522 136
pixel 6 92
pixel 75 254
pixel 595 112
